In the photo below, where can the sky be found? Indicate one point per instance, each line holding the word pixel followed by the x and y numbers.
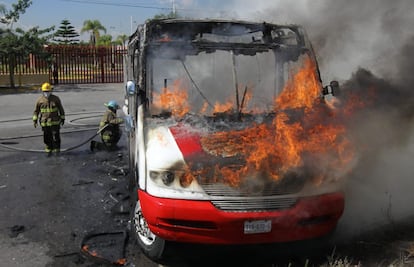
pixel 117 16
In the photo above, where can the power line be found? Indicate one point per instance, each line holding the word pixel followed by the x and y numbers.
pixel 117 4
pixel 132 5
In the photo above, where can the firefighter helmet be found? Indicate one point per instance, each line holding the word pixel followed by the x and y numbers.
pixel 46 87
pixel 112 104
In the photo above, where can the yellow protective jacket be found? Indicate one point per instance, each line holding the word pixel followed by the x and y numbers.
pixel 111 134
pixel 48 111
pixel 110 118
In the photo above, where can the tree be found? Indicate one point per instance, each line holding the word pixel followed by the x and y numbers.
pixel 2 9
pixel 121 39
pixel 13 15
pixel 22 43
pixel 66 34
pixel 171 15
pixel 93 26
pixel 105 39
pixel 18 42
pixel 2 13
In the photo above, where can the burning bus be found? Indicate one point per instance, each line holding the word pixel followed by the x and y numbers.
pixel 232 139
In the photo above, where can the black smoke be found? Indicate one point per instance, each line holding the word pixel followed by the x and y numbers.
pixel 368 46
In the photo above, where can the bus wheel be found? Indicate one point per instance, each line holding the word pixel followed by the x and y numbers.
pixel 151 245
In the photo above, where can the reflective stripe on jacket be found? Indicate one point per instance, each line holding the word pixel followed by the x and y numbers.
pixel 49 111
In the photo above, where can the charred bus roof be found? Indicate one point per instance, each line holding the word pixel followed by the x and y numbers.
pixel 241 37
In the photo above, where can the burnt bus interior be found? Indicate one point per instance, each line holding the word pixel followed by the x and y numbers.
pixel 217 61
pixel 226 76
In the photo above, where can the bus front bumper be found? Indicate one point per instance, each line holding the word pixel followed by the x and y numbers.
pixel 195 221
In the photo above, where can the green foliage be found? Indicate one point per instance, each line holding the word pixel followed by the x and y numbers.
pixel 105 39
pixel 171 15
pixel 66 34
pixel 2 9
pixel 94 27
pixel 20 42
pixel 121 39
pixel 25 42
pixel 13 15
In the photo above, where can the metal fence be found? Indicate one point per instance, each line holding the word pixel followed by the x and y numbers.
pixel 31 64
pixel 70 64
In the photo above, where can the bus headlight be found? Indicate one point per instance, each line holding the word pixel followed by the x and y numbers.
pixel 172 178
pixel 167 177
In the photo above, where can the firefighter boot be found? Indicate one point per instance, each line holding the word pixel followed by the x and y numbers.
pixel 92 145
pixel 48 151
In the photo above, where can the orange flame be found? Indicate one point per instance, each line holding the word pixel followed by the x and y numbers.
pixel 304 132
pixel 218 107
pixel 282 146
pixel 357 101
pixel 302 90
pixel 173 99
pixel 121 261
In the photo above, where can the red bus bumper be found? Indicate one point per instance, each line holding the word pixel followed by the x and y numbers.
pixel 200 222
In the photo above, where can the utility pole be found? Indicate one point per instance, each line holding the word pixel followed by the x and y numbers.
pixel 131 24
pixel 173 7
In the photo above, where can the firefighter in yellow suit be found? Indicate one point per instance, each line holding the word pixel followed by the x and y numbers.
pixel 109 127
pixel 50 114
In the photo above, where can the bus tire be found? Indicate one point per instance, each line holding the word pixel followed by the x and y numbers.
pixel 151 245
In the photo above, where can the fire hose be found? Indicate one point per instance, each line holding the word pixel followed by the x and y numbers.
pixel 63 150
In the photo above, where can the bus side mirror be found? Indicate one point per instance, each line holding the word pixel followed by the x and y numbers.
pixel 130 88
pixel 335 88
pixel 332 88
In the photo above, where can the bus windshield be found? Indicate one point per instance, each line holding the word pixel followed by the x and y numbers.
pixel 223 68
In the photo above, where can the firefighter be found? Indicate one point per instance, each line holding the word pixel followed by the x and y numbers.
pixel 109 129
pixel 50 114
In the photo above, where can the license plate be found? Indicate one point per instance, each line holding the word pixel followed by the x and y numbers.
pixel 255 227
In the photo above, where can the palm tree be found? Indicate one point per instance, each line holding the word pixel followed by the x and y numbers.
pixel 122 39
pixel 93 26
pixel 105 39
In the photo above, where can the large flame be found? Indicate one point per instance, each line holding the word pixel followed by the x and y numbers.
pixel 305 135
pixel 173 99
pixel 302 90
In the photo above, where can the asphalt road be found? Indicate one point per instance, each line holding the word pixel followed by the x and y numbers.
pixel 49 207
pixel 56 210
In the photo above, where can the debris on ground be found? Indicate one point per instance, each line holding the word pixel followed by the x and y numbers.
pixel 15 230
pixel 105 247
